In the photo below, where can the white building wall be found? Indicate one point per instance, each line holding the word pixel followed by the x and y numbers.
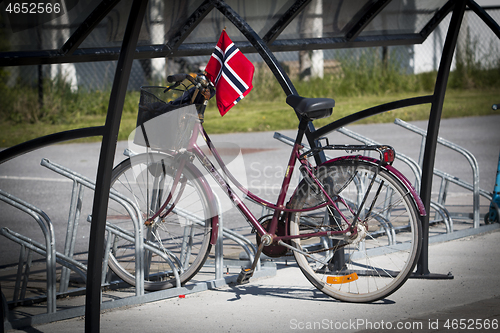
pixel 481 39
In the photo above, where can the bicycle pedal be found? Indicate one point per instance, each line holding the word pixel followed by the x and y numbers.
pixel 244 276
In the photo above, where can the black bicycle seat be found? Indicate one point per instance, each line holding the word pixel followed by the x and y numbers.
pixel 312 108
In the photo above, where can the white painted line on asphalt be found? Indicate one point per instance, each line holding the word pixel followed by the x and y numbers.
pixel 59 180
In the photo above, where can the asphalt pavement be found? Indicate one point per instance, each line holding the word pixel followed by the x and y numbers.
pixel 288 303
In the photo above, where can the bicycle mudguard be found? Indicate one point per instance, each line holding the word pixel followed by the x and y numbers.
pixel 389 168
pixel 214 211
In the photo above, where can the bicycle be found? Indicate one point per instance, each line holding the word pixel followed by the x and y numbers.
pixel 352 223
pixel 493 214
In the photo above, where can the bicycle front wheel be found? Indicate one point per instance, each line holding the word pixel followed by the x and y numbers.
pixel 376 260
pixel 177 244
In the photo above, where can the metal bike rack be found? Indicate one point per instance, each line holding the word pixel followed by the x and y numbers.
pixel 69 264
pixel 353 36
pixel 446 178
pixel 417 172
pixel 25 258
pixel 247 246
pixel 80 182
pixel 48 250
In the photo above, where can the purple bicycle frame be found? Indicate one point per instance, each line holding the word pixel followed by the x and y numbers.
pixel 280 204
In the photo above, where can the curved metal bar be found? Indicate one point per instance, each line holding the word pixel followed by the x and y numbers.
pixel 441 210
pixel 433 128
pixel 371 112
pixel 150 246
pixel 129 206
pixel 259 45
pixel 48 234
pixel 436 19
pixel 490 22
pixel 28 146
pixel 71 53
pixel 39 248
pixel 104 169
pixel 468 156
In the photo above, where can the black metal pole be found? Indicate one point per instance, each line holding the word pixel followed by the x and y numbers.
pixel 487 19
pixel 2 314
pixel 40 86
pixel 433 131
pixel 40 74
pixel 103 181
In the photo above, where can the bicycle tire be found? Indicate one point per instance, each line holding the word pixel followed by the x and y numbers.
pixel 368 268
pixel 181 240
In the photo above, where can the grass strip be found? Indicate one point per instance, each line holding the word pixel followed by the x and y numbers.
pixel 257 116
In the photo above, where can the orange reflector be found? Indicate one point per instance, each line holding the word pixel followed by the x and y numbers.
pixel 341 279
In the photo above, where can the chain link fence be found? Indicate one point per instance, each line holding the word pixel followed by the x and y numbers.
pixel 477 46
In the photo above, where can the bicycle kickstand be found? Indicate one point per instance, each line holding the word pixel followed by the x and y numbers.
pixel 247 273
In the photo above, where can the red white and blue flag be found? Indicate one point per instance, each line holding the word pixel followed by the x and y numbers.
pixel 230 72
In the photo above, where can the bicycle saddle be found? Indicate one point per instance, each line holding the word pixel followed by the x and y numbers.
pixel 312 108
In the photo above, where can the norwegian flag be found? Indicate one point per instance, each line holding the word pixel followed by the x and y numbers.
pixel 230 72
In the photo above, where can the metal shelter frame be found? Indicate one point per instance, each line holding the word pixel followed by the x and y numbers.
pixel 265 46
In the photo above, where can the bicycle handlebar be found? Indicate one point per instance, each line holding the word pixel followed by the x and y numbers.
pixel 178 78
pixel 200 81
pixel 203 89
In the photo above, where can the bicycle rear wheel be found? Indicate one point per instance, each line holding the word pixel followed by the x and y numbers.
pixel 380 259
pixel 177 244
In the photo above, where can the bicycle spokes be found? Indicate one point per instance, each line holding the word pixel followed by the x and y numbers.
pixel 177 243
pixel 371 257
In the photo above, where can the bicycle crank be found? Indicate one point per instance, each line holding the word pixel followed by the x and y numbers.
pixel 274 250
pixel 247 273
